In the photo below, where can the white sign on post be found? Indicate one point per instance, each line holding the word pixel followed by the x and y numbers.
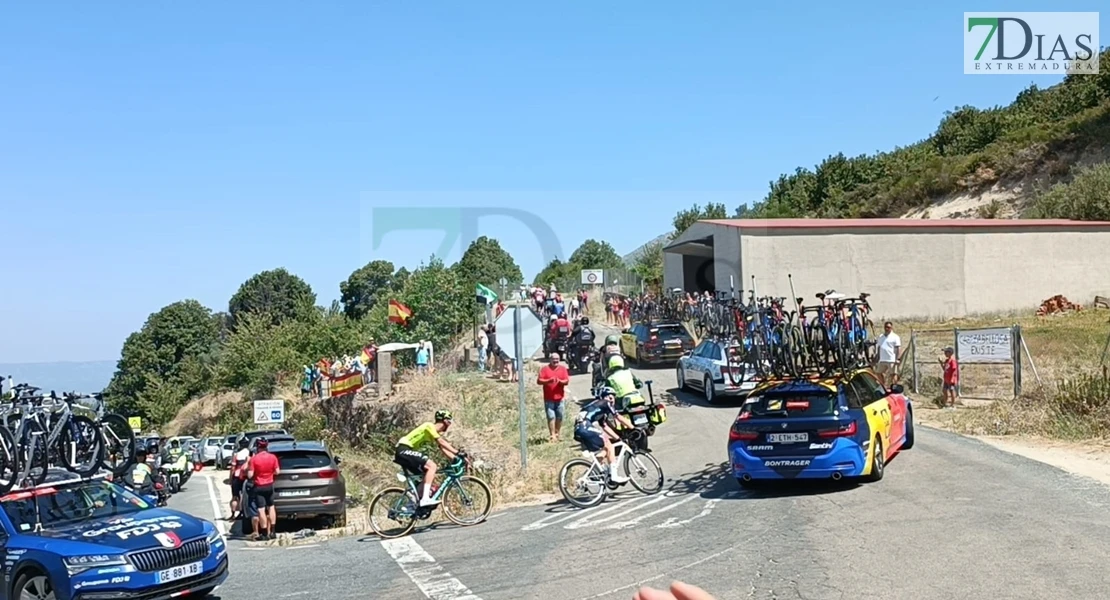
pixel 985 345
pixel 593 276
pixel 269 411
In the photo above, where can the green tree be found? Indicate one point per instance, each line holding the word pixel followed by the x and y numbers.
pixel 685 218
pixel 648 265
pixel 486 262
pixel 558 272
pixel 442 307
pixel 1086 198
pixel 363 288
pixel 399 279
pixel 166 362
pixel 277 293
pixel 593 254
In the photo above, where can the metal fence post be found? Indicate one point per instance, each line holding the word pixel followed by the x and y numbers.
pixel 959 366
pixel 1015 341
pixel 519 343
pixel 913 358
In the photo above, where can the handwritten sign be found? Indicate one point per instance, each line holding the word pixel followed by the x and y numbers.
pixel 985 345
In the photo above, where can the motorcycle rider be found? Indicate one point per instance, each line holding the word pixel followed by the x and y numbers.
pixel 141 477
pixel 582 340
pixel 559 331
pixel 625 385
pixel 172 452
pixel 593 431
pixel 612 348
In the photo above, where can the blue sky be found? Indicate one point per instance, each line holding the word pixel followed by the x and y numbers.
pixel 158 151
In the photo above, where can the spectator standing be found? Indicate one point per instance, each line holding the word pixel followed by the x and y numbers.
pixel 483 348
pixel 951 377
pixel 574 309
pixel 422 358
pixel 238 470
pixel 554 378
pixel 494 349
pixel 508 364
pixel 261 471
pixel 890 355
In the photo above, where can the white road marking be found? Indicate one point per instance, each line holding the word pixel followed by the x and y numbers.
pixel 433 580
pixel 591 520
pixel 671 522
pixel 633 522
pixel 221 526
pixel 300 547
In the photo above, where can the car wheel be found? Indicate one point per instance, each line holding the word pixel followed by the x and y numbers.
pixel 710 391
pixel 906 445
pixel 33 586
pixel 878 462
pixel 680 375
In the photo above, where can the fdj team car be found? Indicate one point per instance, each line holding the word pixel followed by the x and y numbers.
pixel 819 429
pixel 93 540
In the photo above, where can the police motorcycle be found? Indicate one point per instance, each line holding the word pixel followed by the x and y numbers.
pixel 644 414
pixel 582 353
pixel 176 469
pixel 145 480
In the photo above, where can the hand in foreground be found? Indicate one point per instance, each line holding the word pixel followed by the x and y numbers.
pixel 679 591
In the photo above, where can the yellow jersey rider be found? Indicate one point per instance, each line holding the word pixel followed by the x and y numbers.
pixel 625 385
pixel 409 452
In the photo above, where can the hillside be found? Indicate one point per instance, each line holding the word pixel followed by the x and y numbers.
pixel 630 258
pixel 996 162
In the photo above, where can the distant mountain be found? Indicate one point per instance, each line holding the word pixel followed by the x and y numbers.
pixel 631 256
pixel 84 377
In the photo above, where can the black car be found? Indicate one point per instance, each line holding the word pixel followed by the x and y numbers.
pixel 251 435
pixel 656 343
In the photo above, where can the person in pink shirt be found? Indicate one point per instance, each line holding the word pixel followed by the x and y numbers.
pixel 951 377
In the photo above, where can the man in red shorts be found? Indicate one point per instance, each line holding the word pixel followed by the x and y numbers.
pixel 262 470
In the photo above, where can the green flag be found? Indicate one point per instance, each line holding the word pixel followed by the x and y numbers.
pixel 482 291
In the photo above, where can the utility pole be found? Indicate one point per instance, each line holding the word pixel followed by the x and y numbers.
pixel 518 338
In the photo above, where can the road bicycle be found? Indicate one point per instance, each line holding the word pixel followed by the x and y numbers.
pixel 402 505
pixel 594 483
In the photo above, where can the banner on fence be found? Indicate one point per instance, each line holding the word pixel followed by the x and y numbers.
pixel 345 384
pixel 991 346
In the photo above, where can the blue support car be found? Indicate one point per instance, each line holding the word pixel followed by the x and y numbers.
pixel 89 539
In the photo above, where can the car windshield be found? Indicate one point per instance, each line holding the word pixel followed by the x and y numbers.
pixel 60 507
pixel 213 442
pixel 303 459
pixel 792 405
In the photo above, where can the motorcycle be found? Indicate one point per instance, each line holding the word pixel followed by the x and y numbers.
pixel 176 473
pixel 644 414
pixel 581 356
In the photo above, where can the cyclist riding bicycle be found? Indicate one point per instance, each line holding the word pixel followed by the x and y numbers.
pixel 593 431
pixel 410 456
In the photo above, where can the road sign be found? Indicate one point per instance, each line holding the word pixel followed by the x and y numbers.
pixel 593 276
pixel 136 423
pixel 269 411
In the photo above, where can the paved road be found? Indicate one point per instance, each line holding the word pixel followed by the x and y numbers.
pixel 954 518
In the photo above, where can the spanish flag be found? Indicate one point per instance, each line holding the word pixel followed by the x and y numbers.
pixel 346 384
pixel 399 313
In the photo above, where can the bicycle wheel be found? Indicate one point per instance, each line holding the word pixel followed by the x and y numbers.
pixel 118 440
pixel 801 350
pixel 33 455
pixel 80 448
pixel 820 347
pixel 471 493
pixel 9 463
pixel 736 370
pixel 643 465
pixel 591 483
pixel 400 507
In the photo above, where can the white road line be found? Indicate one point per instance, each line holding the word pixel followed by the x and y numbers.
pixel 633 522
pixel 220 524
pixel 560 517
pixel 433 580
pixel 671 522
pixel 590 520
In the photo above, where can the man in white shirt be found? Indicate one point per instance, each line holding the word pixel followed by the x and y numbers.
pixel 890 355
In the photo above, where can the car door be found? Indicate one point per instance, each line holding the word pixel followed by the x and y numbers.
pixel 708 362
pixel 690 365
pixel 876 408
pixel 628 342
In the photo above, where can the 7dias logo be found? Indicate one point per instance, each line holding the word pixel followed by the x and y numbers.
pixel 1037 43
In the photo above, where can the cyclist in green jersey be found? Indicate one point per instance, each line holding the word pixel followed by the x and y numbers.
pixel 409 453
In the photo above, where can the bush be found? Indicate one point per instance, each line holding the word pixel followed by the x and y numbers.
pixel 1086 198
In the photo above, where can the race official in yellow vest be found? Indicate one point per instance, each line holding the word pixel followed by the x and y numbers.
pixel 625 385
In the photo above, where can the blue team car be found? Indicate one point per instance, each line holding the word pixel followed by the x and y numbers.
pixel 89 539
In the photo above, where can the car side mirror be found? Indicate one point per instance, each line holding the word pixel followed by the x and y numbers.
pixel 896 388
pixel 338 460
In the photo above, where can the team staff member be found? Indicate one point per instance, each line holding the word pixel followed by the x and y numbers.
pixel 238 476
pixel 262 470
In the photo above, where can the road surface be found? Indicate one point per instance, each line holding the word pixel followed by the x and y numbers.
pixel 953 518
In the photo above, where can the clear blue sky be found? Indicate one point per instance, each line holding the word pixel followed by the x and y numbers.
pixel 155 151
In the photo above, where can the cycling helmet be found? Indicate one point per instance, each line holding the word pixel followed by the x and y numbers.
pixel 616 362
pixel 612 339
pixel 585 320
pixel 605 390
pixel 443 415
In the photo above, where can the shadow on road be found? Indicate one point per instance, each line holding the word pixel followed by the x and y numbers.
pixel 715 481
pixel 679 398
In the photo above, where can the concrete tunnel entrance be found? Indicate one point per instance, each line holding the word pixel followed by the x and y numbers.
pixel 699 271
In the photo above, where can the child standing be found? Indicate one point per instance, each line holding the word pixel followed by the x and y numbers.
pixel 951 377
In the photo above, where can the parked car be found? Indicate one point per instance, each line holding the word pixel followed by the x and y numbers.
pixel 310 484
pixel 250 435
pixel 224 455
pixel 706 368
pixel 208 448
pixel 275 437
pixel 655 343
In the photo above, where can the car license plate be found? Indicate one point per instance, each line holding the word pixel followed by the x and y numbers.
pixel 639 420
pixel 180 572
pixel 289 493
pixel 787 438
